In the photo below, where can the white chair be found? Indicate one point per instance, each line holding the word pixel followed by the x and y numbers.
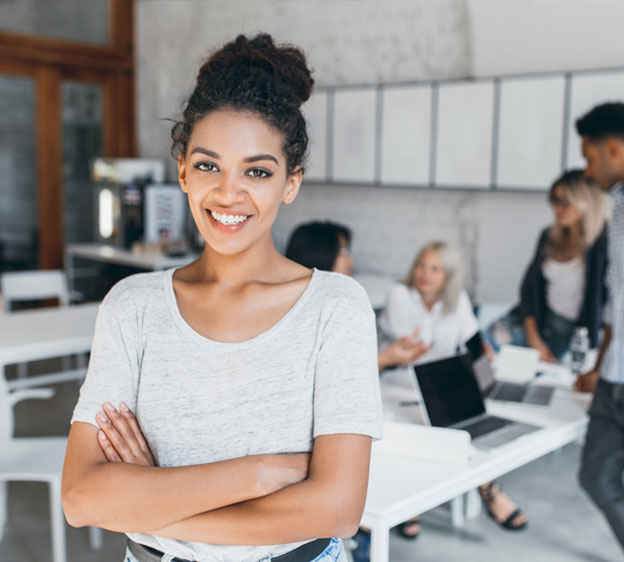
pixel 20 286
pixel 34 459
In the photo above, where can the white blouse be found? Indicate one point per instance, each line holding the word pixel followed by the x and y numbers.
pixel 565 286
pixel 405 311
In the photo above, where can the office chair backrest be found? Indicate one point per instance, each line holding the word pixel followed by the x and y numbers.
pixel 18 286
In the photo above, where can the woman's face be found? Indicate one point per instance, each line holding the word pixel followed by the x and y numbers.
pixel 566 214
pixel 235 175
pixel 429 275
pixel 344 262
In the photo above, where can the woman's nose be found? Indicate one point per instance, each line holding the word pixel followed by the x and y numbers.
pixel 229 187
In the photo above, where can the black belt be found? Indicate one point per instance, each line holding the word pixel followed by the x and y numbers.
pixel 304 553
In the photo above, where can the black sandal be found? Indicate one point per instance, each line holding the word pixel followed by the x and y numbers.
pixel 488 495
pixel 402 529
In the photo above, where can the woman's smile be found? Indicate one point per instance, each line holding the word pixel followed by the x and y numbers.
pixel 228 222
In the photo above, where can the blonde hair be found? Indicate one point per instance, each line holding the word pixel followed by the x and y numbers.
pixel 453 271
pixel 592 203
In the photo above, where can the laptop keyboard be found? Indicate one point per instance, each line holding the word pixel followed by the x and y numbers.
pixel 509 392
pixel 539 395
pixel 486 425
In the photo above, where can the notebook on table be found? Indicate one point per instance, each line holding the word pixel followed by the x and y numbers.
pixel 538 395
pixel 452 399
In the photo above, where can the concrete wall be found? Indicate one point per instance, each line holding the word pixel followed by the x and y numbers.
pixel 350 43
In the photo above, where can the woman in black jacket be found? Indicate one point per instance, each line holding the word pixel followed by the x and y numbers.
pixel 563 287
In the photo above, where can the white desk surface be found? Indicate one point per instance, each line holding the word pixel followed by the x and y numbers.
pixel 30 335
pixel 401 487
pixel 121 256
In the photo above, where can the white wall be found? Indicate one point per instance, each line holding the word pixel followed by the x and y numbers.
pixel 350 43
pixel 520 36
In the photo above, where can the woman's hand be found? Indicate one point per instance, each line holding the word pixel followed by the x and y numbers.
pixel 121 438
pixel 278 471
pixel 403 352
pixel 545 353
pixel 587 381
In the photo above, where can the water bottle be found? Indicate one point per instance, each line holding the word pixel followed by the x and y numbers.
pixel 579 346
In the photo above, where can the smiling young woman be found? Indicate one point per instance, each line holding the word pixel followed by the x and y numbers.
pixel 240 392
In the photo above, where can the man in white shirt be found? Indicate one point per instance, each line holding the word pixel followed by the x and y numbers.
pixel 602 465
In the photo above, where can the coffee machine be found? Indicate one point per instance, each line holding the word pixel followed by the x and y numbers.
pixel 120 197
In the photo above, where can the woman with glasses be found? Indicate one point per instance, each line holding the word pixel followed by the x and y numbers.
pixel 563 286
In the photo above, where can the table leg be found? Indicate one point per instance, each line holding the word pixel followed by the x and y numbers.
pixel 380 544
pixel 57 520
pixel 473 504
pixel 457 511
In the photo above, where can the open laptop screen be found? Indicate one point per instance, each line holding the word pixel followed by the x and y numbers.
pixel 449 390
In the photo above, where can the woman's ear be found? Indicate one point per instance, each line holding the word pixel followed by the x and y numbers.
pixel 182 173
pixel 293 183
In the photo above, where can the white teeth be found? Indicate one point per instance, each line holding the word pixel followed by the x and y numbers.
pixel 228 219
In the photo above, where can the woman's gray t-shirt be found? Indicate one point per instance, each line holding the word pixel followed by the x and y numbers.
pixel 199 401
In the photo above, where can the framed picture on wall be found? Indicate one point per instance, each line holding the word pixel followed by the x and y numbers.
pixel 354 135
pixel 530 133
pixel 406 135
pixel 463 149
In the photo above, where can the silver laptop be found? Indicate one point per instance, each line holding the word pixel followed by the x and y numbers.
pixel 452 399
pixel 538 395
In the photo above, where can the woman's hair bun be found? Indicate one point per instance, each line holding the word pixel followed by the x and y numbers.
pixel 285 63
pixel 253 75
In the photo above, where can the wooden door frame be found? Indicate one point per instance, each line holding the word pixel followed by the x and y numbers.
pixel 49 62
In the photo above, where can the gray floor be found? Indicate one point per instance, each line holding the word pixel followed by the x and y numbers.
pixel 563 526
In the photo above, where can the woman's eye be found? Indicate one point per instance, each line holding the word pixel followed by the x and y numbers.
pixel 259 173
pixel 205 167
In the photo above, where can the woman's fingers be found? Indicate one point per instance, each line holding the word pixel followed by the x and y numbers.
pixel 126 413
pixel 107 448
pixel 128 441
pixel 114 437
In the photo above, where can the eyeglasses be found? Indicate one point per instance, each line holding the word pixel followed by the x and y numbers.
pixel 558 201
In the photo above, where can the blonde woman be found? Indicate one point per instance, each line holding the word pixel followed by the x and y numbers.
pixel 432 300
pixel 564 285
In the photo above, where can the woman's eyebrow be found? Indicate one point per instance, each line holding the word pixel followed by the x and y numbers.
pixel 205 151
pixel 261 157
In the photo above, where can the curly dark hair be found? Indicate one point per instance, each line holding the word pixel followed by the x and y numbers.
pixel 603 121
pixel 258 76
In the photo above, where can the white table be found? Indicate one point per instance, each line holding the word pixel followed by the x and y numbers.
pixel 105 253
pixel 400 487
pixel 44 333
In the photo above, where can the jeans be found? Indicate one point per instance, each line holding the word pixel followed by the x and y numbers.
pixel 602 464
pixel 333 553
pixel 556 332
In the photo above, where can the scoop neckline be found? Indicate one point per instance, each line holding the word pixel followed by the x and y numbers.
pixel 190 331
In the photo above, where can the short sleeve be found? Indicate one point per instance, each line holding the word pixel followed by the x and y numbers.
pixel 396 321
pixel 113 370
pixel 346 392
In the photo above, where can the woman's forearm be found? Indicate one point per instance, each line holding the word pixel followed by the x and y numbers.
pixel 531 331
pixel 328 504
pixel 120 496
pixel 297 513
pixel 130 498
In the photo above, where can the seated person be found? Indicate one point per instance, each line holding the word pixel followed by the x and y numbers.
pixel 432 299
pixel 325 246
pixel 564 285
